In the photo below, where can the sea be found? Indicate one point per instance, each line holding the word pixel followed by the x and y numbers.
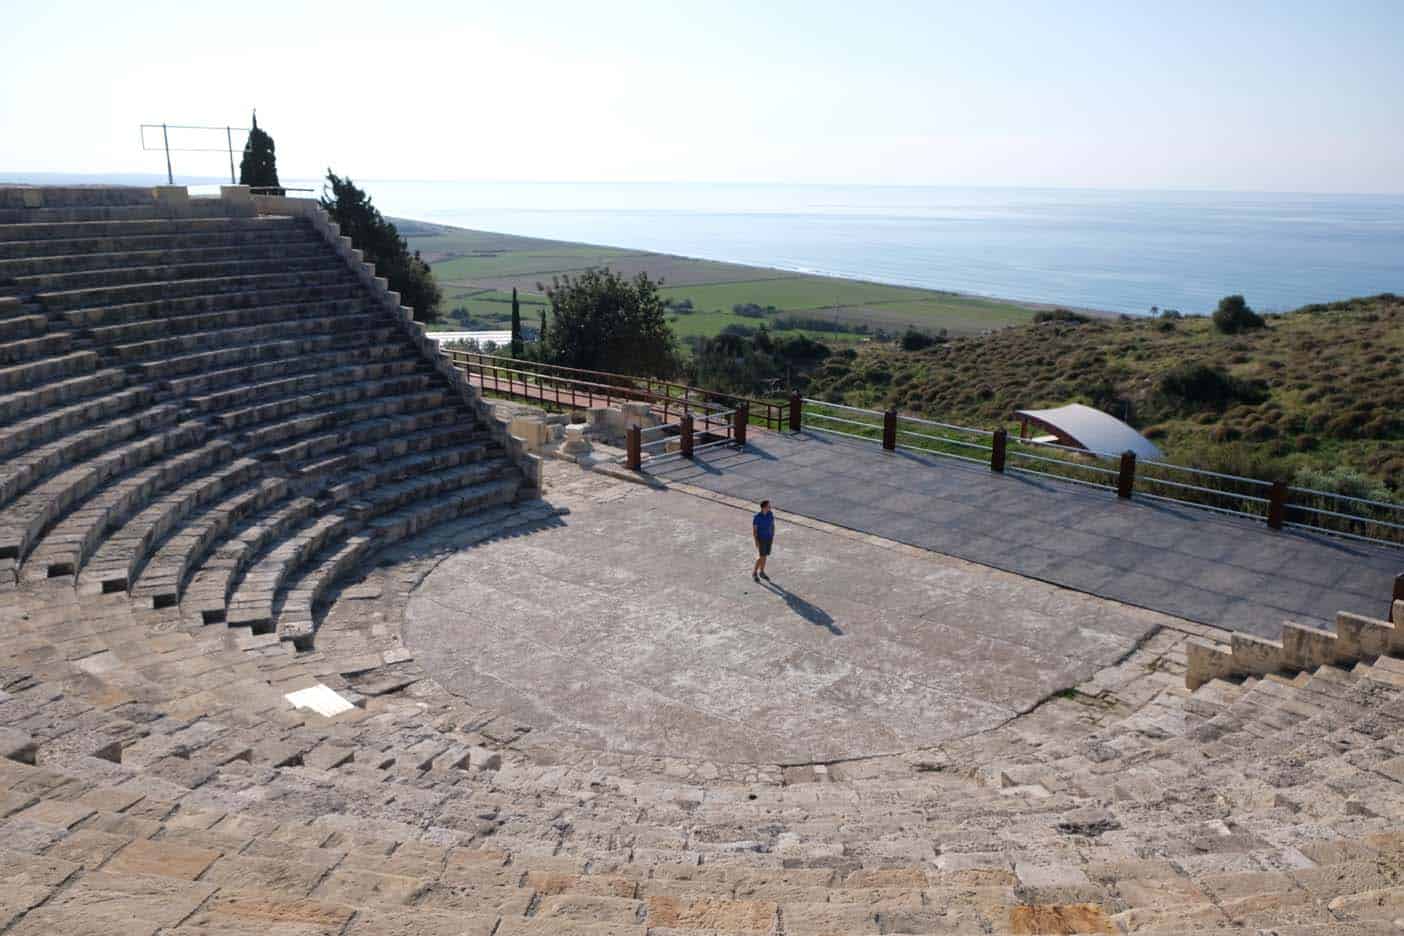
pixel 1112 250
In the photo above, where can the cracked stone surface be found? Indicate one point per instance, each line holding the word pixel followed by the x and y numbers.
pixel 633 626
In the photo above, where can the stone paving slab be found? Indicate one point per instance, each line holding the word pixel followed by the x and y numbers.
pixel 633 626
pixel 1179 560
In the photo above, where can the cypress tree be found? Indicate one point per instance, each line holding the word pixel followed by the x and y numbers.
pixel 541 335
pixel 259 166
pixel 516 326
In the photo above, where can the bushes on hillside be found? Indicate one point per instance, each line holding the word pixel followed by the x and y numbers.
pixel 380 243
pixel 1061 315
pixel 1233 316
pixel 1197 385
pixel 913 340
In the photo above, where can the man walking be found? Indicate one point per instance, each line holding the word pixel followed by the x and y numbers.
pixel 763 529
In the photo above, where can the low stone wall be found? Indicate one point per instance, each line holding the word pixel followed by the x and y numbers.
pixel 312 210
pixel 1301 648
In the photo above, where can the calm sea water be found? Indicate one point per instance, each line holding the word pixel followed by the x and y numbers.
pixel 1117 250
pixel 1121 251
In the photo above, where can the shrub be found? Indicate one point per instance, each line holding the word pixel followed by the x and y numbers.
pixel 1233 316
pixel 1061 315
pixel 1198 385
pixel 913 340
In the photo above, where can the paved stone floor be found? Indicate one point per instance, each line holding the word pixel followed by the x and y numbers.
pixel 632 625
pixel 1190 563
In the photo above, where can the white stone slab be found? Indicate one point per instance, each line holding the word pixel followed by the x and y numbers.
pixel 321 699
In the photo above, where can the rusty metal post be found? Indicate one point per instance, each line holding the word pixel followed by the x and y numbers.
pixel 633 448
pixel 1398 596
pixel 686 437
pixel 1127 478
pixel 795 406
pixel 889 430
pixel 998 443
pixel 1277 504
pixel 738 433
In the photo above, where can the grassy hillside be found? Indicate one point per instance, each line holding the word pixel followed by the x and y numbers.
pixel 477 271
pixel 1317 394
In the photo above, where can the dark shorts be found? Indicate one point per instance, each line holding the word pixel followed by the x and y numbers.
pixel 764 546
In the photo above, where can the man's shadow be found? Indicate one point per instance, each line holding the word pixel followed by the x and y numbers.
pixel 811 613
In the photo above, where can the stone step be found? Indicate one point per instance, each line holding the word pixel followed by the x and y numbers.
pixel 176 345
pixel 50 370
pixel 108 214
pixel 163 579
pixel 156 327
pixel 74 196
pixel 120 560
pixel 22 522
pixel 23 404
pixel 23 471
pixel 229 358
pixel 318 273
pixel 305 402
pixel 65 420
pixel 318 378
pixel 318 447
pixel 32 230
pixel 176 255
pixel 236 232
pixel 206 599
pixel 143 311
pixel 61 552
pixel 23 326
pixel 134 282
pixel 243 375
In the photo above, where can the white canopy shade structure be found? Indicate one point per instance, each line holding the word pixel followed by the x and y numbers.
pixel 1084 427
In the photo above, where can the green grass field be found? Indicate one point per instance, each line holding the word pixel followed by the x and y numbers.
pixel 477 270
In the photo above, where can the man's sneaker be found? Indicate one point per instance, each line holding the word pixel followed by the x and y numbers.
pixel 764 576
pixel 754 577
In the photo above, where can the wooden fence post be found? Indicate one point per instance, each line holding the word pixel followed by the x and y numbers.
pixel 889 430
pixel 738 434
pixel 633 451
pixel 1277 504
pixel 686 437
pixel 1127 478
pixel 1001 438
pixel 795 411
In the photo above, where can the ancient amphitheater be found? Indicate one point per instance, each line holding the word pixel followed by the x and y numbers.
pixel 294 639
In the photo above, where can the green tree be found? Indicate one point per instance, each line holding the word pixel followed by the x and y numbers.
pixel 602 321
pixel 1233 316
pixel 259 167
pixel 541 335
pixel 380 242
pixel 516 325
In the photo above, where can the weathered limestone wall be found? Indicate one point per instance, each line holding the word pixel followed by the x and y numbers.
pixel 1301 648
pixel 310 209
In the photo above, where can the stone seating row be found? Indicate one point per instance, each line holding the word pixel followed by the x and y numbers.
pixel 174 256
pixel 237 231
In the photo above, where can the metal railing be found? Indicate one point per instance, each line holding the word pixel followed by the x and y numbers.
pixel 1276 503
pixel 576 387
pixel 168 149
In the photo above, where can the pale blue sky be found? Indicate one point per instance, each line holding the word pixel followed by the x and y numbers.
pixel 1275 96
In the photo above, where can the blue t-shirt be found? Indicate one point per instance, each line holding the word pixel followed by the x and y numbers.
pixel 764 524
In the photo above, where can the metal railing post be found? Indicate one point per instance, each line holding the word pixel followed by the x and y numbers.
pixel 1000 439
pixel 1398 596
pixel 795 408
pixel 1277 504
pixel 738 433
pixel 166 142
pixel 633 450
pixel 889 430
pixel 686 436
pixel 1126 479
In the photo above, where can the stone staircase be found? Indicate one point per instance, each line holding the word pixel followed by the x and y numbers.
pixel 154 780
pixel 202 403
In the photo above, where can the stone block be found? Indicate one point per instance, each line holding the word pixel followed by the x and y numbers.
pixel 1362 636
pixel 17 745
pixel 236 194
pixel 1308 647
pixel 162 859
pixel 1255 655
pixel 172 194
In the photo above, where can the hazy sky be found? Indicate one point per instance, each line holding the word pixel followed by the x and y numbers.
pixel 1280 96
